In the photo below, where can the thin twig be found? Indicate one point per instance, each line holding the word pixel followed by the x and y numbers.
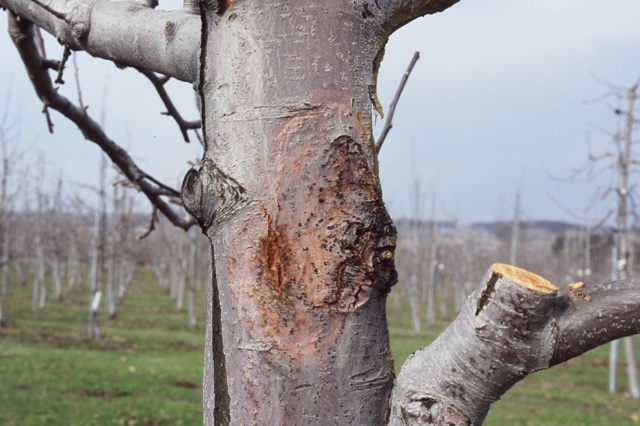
pixel 65 57
pixel 158 83
pixel 76 73
pixel 168 190
pixel 152 225
pixel 392 109
pixel 45 111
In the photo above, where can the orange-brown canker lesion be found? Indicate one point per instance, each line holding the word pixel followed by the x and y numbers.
pixel 271 262
pixel 224 5
pixel 326 243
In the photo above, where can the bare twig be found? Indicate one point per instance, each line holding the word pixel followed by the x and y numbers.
pixel 392 109
pixel 158 83
pixel 77 78
pixel 22 34
pixel 152 225
pixel 63 62
pixel 45 111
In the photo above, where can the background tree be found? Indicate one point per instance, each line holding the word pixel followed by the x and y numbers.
pixel 9 163
pixel 288 194
pixel 620 159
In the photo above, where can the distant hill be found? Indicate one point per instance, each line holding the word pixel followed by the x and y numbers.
pixel 500 228
pixel 503 229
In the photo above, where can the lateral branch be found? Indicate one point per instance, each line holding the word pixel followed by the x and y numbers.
pixel 394 103
pixel 21 32
pixel 514 324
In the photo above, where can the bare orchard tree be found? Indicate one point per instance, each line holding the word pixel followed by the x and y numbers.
pixel 10 159
pixel 289 196
pixel 621 159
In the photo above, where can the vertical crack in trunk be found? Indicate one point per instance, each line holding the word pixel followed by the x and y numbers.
pixel 221 410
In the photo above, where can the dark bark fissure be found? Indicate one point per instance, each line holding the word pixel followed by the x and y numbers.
pixel 221 410
pixel 487 293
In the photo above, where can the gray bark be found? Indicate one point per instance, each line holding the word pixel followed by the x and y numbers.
pixel 73 263
pixel 124 32
pixel 477 359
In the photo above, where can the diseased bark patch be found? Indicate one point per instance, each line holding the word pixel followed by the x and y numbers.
pixel 327 243
pixel 330 231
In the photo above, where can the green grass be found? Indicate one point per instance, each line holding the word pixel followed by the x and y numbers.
pixel 147 368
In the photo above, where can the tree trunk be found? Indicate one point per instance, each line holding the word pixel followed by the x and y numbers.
pixel 4 261
pixel 96 246
pixel 515 231
pixel 55 277
pixel 302 247
pixel 416 261
pixel 182 268
pixel 431 282
pixel 72 263
pixel 288 194
pixel 39 297
pixel 625 162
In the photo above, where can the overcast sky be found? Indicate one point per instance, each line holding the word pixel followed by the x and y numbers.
pixel 501 100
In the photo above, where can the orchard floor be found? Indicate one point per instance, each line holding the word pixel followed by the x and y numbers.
pixel 146 368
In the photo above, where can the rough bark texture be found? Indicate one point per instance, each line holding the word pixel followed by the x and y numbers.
pixel 289 196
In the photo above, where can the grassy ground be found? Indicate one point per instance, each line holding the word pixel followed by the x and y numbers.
pixel 145 370
pixel 147 367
